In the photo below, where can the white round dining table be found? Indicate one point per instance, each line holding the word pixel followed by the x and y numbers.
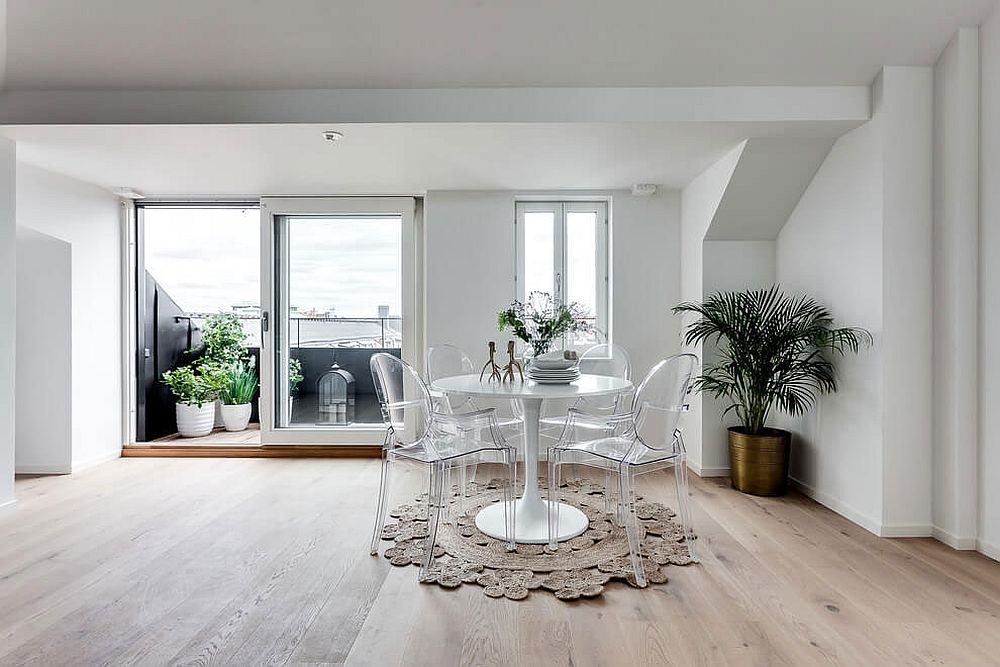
pixel 532 512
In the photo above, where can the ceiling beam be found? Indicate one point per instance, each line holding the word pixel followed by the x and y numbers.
pixel 451 105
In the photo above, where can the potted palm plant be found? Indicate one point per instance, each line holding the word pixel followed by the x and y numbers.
pixel 196 389
pixel 775 351
pixel 237 394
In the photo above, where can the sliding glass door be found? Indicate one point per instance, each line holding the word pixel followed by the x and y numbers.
pixel 340 284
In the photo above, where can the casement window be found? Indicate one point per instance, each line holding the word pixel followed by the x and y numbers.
pixel 562 249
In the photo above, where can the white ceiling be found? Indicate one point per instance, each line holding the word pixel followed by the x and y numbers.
pixel 177 160
pixel 280 44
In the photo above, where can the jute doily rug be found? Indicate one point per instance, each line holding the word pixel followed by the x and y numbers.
pixel 580 567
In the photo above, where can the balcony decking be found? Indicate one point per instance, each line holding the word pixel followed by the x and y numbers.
pixel 219 436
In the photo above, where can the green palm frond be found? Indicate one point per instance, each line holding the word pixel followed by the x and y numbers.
pixel 774 350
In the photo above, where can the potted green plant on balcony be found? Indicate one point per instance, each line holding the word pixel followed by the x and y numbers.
pixel 774 351
pixel 237 394
pixel 295 378
pixel 196 389
pixel 224 346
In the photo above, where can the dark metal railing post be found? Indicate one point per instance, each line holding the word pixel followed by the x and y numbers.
pixel 382 322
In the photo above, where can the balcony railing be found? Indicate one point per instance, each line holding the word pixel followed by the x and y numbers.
pixel 320 332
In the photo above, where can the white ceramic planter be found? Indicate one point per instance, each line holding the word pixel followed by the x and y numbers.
pixel 236 417
pixel 194 421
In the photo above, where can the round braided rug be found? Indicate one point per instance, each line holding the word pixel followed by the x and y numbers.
pixel 579 567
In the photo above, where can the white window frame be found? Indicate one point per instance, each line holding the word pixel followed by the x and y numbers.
pixel 560 210
pixel 273 209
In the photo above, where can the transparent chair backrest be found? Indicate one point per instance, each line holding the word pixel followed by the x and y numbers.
pixel 405 401
pixel 661 398
pixel 607 359
pixel 447 361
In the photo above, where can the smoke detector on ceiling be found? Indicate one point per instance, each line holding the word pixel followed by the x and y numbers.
pixel 643 189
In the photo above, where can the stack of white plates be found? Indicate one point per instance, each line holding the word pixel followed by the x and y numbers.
pixel 553 375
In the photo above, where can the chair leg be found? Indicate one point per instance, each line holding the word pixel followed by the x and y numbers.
pixel 434 502
pixel 631 524
pixel 607 491
pixel 383 500
pixel 684 504
pixel 553 498
pixel 461 490
pixel 510 499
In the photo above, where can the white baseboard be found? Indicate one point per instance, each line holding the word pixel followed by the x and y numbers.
pixel 96 460
pixel 708 471
pixel 906 530
pixel 987 549
pixel 868 523
pixel 32 469
pixel 954 541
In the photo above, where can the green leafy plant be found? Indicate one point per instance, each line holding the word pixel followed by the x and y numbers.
pixel 240 385
pixel 541 321
pixel 775 351
pixel 195 384
pixel 224 339
pixel 295 377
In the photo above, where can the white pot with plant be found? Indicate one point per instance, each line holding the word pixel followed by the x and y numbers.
pixel 196 388
pixel 224 346
pixel 237 396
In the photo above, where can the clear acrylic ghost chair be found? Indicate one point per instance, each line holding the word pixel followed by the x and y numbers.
pixel 645 439
pixel 417 433
pixel 446 360
pixel 606 359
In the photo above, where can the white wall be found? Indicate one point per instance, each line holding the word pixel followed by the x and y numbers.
pixel 728 266
pixel 88 218
pixel 908 96
pixel 43 378
pixel 699 201
pixel 860 242
pixel 8 301
pixel 472 234
pixel 956 290
pixel 989 285
pixel 837 453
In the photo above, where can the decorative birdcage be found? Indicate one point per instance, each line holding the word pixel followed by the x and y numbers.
pixel 336 397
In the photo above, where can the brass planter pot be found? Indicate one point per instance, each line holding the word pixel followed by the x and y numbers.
pixel 758 464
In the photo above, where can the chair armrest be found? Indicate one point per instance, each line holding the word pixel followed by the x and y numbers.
pixel 481 417
pixel 595 419
pixel 398 405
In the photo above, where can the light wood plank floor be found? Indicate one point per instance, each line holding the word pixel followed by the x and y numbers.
pixel 264 561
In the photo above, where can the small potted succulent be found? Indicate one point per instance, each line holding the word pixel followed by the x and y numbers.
pixel 237 394
pixel 196 388
pixel 540 321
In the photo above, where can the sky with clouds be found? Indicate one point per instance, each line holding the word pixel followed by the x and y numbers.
pixel 208 260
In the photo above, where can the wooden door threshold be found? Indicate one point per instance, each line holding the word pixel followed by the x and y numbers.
pixel 252 451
